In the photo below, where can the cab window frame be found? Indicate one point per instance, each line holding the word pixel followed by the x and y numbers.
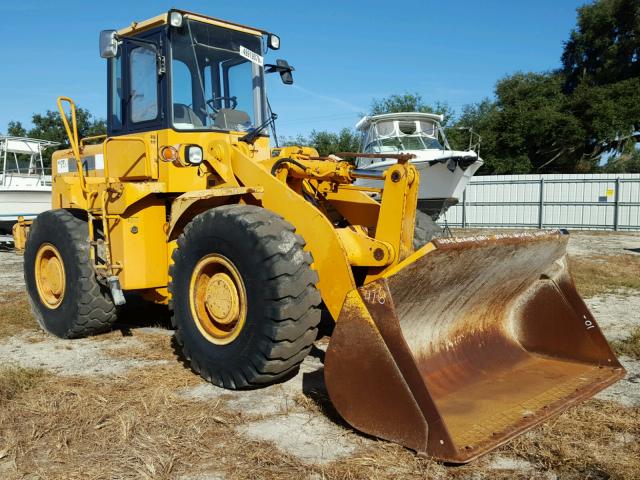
pixel 217 82
pixel 157 35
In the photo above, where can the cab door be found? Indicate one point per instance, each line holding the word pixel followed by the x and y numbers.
pixel 136 111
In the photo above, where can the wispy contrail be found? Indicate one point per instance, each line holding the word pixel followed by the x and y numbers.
pixel 337 101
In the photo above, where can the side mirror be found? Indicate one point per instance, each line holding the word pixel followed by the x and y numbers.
pixel 273 41
pixel 108 43
pixel 284 69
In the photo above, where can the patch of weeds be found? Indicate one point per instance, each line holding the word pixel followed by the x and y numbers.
pixel 600 274
pixel 15 380
pixel 630 346
pixel 15 315
pixel 597 439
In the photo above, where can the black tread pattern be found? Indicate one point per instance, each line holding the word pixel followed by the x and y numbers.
pixel 94 309
pixel 290 317
pixel 425 230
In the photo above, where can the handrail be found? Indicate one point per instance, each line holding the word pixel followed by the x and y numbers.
pixel 73 140
pixel 84 141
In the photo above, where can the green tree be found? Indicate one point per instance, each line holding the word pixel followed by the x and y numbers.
pixel 626 162
pixel 481 118
pixel 15 129
pixel 605 45
pixel 326 143
pixel 535 122
pixel 48 126
pixel 601 65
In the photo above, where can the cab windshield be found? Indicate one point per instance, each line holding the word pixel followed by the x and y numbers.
pixel 213 86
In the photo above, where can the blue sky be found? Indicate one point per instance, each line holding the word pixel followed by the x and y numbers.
pixel 345 52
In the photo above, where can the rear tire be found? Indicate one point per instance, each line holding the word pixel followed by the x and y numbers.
pixel 250 256
pixel 64 294
pixel 425 230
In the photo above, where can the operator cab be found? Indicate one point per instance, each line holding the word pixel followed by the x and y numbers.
pixel 188 72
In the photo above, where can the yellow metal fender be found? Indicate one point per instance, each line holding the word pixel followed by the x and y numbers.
pixel 184 202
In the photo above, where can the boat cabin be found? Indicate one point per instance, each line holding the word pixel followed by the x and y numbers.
pixel 401 132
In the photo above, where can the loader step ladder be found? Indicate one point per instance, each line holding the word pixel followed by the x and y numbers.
pixel 107 269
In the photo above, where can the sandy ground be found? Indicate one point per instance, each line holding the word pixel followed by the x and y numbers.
pixel 273 414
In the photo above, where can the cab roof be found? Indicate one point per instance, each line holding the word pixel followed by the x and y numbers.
pixel 163 19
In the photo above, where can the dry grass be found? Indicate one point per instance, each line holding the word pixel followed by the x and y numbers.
pixel 138 427
pixel 15 380
pixel 130 428
pixel 630 346
pixel 595 440
pixel 15 315
pixel 153 346
pixel 599 274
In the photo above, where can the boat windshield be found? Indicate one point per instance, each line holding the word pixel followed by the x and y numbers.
pixel 216 78
pixel 401 143
pixel 394 136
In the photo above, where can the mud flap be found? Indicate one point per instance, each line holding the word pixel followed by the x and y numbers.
pixel 466 344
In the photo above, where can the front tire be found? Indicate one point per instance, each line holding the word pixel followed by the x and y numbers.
pixel 64 294
pixel 245 303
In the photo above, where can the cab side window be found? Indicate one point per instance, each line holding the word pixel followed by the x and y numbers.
pixel 144 84
pixel 116 92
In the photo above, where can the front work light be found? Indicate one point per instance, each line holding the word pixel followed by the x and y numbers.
pixel 193 154
pixel 175 19
pixel 274 42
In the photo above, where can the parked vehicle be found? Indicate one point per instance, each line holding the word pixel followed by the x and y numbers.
pixel 444 173
pixel 25 184
pixel 451 348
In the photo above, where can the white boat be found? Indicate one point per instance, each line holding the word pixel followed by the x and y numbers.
pixel 25 185
pixel 444 173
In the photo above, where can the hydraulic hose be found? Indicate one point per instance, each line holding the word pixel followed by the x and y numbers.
pixel 277 164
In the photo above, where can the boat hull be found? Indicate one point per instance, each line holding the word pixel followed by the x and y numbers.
pixel 22 202
pixel 440 186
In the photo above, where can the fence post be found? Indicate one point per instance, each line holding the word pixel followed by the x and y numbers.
pixel 464 208
pixel 541 205
pixel 616 206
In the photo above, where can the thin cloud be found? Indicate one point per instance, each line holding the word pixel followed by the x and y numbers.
pixel 337 101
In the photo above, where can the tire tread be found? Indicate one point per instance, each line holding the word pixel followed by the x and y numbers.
pixel 289 287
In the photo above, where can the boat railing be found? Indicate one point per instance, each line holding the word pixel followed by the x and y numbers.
pixel 43 176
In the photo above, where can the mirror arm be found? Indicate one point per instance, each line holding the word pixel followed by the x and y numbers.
pixel 271 68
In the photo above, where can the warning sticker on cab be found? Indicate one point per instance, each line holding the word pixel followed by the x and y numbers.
pixel 63 165
pixel 251 56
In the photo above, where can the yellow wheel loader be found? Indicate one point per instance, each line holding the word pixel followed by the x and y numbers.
pixel 450 349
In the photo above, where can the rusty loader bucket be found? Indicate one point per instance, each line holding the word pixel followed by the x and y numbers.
pixel 466 344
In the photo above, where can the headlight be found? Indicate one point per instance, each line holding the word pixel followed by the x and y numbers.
pixel 175 19
pixel 194 154
pixel 274 42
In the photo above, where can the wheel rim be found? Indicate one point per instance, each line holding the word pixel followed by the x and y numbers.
pixel 218 299
pixel 50 276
